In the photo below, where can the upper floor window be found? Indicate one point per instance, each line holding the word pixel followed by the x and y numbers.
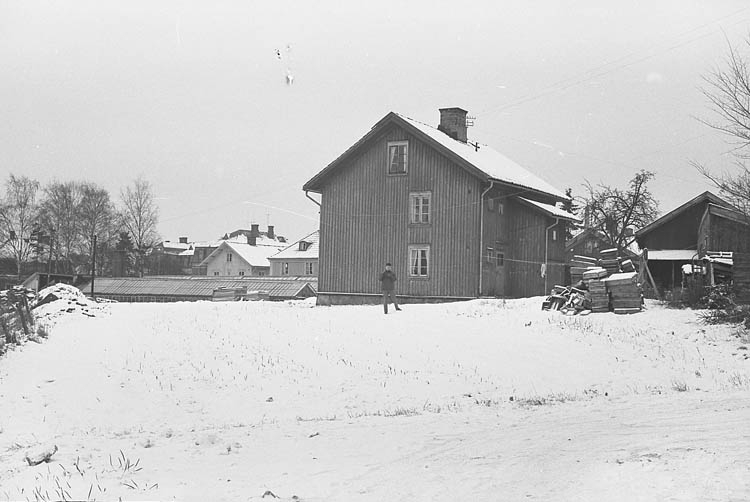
pixel 242 272
pixel 303 245
pixel 420 207
pixel 285 268
pixel 419 261
pixel 398 156
pixel 229 256
pixel 309 268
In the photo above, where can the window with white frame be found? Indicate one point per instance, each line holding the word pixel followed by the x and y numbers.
pixel 229 257
pixel 420 203
pixel 398 157
pixel 242 272
pixel 309 268
pixel 285 268
pixel 216 273
pixel 554 235
pixel 419 261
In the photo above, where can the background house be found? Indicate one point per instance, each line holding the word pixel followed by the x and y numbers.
pixel 298 259
pixel 457 219
pixel 235 259
pixel 703 225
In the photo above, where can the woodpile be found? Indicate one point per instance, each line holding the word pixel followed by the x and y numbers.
pixel 610 282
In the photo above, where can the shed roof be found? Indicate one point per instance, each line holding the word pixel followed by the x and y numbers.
pixel 198 286
pixel 699 199
pixel 672 254
pixel 480 160
pixel 293 251
pixel 551 210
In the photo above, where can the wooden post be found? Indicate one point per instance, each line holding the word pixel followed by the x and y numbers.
pixel 647 273
pixel 93 266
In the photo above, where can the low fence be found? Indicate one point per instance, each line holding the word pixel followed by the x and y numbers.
pixel 16 320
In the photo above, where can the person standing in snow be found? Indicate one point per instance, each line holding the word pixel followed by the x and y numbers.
pixel 388 282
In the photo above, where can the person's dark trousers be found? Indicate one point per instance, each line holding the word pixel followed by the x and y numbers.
pixel 392 296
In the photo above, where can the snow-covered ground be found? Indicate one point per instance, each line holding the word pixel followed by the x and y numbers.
pixel 484 400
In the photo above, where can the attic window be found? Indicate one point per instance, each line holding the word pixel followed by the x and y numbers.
pixel 303 245
pixel 398 155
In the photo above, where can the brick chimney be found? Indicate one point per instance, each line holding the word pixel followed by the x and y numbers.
pixel 254 231
pixel 183 240
pixel 453 123
pixel 270 233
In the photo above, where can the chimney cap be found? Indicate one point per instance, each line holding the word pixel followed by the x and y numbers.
pixel 452 108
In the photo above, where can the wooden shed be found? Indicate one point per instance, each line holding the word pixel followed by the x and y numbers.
pixel 457 220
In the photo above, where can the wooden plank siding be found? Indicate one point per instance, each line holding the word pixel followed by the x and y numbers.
pixel 526 235
pixel 678 233
pixel 722 234
pixel 365 222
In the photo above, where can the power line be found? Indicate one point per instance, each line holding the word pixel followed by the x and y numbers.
pixel 591 73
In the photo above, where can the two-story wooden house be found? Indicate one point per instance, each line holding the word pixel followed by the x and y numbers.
pixel 457 220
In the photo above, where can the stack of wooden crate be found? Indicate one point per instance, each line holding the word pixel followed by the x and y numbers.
pixel 598 295
pixel 597 289
pixel 609 260
pixel 624 291
pixel 579 265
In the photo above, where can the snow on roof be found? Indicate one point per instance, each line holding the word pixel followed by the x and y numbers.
pixel 672 254
pixel 293 251
pixel 175 245
pixel 551 209
pixel 257 256
pixel 494 164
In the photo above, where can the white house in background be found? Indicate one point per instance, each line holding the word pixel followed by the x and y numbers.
pixel 299 259
pixel 235 259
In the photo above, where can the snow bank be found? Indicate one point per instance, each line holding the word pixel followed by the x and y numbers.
pixel 63 299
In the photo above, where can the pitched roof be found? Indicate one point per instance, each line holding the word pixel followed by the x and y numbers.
pixel 256 256
pixel 550 209
pixel 293 251
pixel 480 160
pixel 699 199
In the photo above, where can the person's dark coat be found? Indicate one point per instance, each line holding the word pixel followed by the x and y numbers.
pixel 388 280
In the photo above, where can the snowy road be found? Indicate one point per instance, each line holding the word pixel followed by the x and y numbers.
pixel 228 401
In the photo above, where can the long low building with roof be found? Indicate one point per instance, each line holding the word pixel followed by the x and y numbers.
pixel 196 288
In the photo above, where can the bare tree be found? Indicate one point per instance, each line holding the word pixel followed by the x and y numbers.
pixel 18 212
pixel 613 211
pixel 58 216
pixel 140 217
pixel 728 92
pixel 96 219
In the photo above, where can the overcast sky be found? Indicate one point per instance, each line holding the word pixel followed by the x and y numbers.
pixel 194 96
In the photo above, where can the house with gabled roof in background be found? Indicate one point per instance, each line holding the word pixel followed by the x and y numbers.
pixel 702 226
pixel 457 220
pixel 237 259
pixel 298 259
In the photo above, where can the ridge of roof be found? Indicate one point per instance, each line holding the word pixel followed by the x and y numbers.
pixel 481 160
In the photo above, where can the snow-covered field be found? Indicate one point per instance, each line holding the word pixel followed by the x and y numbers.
pixel 484 400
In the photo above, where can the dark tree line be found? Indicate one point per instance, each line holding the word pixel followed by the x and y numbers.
pixel 58 223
